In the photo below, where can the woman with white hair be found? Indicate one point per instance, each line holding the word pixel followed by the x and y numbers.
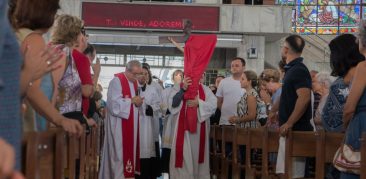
pixel 321 85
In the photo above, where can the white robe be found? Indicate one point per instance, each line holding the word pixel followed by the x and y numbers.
pixel 191 168
pixel 147 129
pixel 158 113
pixel 170 119
pixel 118 108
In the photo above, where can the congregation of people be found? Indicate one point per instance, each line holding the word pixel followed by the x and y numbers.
pixel 54 84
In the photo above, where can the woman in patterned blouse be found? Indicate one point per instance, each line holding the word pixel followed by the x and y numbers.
pixel 344 57
pixel 250 107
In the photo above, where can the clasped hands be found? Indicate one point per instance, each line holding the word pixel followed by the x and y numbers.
pixel 234 119
pixel 137 100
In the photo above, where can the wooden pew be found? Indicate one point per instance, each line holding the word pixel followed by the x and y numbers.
pixel 298 144
pixel 88 152
pixel 71 157
pixel 216 163
pixel 212 148
pixel 255 141
pixel 327 144
pixel 43 154
pixel 363 156
pixel 270 145
pixel 95 152
pixel 241 138
pixel 91 153
pixel 82 155
pixel 76 150
pixel 227 137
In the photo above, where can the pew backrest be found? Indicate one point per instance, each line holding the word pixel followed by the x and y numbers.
pixel 44 154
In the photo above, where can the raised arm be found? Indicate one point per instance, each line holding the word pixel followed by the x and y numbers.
pixel 176 44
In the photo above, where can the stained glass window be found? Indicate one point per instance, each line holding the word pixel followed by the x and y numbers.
pixel 327 2
pixel 285 2
pixel 306 16
pixel 349 15
pixel 306 30
pixel 343 30
pixel 349 1
pixel 326 16
pixel 306 2
pixel 327 30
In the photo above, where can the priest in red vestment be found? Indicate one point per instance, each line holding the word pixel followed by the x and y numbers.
pixel 121 151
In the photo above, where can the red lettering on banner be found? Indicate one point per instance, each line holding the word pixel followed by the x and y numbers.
pixel 138 23
pixel 110 22
pixel 154 16
pixel 132 23
pixel 154 24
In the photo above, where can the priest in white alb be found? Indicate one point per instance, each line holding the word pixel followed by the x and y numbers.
pixel 169 120
pixel 191 160
pixel 150 165
pixel 121 151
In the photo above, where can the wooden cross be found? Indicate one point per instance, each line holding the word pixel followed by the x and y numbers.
pixel 187 29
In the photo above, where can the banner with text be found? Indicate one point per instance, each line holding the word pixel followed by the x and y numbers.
pixel 151 16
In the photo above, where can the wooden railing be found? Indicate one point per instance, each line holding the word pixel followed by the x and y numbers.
pixel 54 154
pixel 320 145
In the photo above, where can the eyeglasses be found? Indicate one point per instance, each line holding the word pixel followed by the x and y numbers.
pixel 138 74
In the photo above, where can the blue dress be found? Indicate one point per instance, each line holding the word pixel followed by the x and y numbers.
pixel 356 126
pixel 47 88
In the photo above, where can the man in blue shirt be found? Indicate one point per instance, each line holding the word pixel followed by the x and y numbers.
pixel 294 105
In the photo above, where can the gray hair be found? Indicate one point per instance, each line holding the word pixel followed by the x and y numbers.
pixel 324 77
pixel 133 63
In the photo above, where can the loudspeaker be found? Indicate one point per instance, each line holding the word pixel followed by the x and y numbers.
pixel 252 53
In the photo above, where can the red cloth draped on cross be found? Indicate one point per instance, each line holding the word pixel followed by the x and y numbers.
pixel 197 54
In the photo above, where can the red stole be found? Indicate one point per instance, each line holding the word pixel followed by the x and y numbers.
pixel 183 126
pixel 128 132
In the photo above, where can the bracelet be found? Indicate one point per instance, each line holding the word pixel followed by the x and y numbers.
pixel 269 106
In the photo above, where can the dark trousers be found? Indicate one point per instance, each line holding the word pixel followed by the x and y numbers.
pixel 165 159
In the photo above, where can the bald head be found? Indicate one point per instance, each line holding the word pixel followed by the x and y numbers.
pixel 295 43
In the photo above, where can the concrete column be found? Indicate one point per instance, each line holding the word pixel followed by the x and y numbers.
pixel 273 53
pixel 257 42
